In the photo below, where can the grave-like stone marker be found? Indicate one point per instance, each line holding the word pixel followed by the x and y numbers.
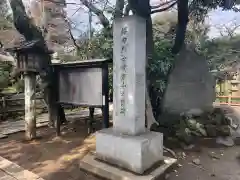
pixel 128 144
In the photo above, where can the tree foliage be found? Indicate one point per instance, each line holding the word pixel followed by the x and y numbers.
pixel 4 10
pixel 5 16
pixel 5 25
pixel 222 52
pixel 5 76
pixel 161 60
pixel 98 46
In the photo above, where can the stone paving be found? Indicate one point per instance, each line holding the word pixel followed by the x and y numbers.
pixel 11 171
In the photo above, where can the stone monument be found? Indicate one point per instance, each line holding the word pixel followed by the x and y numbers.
pixel 128 145
pixel 191 85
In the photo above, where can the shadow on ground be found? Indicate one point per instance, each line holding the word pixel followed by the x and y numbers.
pixel 50 157
pixel 58 158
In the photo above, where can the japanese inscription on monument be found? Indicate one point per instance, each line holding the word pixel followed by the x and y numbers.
pixel 129 76
pixel 123 69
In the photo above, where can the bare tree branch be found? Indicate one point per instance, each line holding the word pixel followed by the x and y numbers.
pixel 71 35
pixel 76 11
pixel 162 4
pixel 73 39
pixel 228 29
pixel 64 3
pixel 104 21
pixel 164 9
pixel 105 5
pixel 231 31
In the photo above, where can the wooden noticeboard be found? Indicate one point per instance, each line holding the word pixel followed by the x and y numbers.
pixel 84 83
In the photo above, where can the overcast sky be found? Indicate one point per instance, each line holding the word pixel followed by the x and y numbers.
pixel 219 18
pixel 216 19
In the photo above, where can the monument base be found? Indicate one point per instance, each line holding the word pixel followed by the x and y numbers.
pixel 133 153
pixel 106 171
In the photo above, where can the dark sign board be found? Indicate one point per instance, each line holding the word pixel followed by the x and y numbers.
pixel 81 86
pixel 83 83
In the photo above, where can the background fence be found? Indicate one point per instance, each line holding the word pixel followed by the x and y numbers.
pixel 13 104
pixel 228 100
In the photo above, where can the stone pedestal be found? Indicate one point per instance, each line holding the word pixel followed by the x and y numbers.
pixel 134 153
pixel 128 144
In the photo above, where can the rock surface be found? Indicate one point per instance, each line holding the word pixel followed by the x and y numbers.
pixel 191 86
pixel 226 141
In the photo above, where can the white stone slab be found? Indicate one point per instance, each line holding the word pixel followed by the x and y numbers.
pixel 135 153
pixel 129 58
pixel 103 170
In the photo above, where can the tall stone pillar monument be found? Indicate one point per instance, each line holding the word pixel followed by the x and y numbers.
pixel 128 149
pixel 128 144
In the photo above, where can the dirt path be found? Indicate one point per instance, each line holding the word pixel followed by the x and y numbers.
pixel 53 158
pixel 225 167
pixel 50 157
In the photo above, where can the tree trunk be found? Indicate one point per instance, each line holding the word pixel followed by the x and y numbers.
pixel 30 103
pixel 150 119
pixel 143 9
pixel 183 13
pixel 51 106
pixel 54 110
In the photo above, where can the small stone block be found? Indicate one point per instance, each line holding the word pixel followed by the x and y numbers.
pixel 134 153
pixel 106 171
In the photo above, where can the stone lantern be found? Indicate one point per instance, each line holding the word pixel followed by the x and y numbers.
pixel 32 58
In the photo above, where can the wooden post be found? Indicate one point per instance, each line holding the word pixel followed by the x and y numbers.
pixel 30 105
pixel 91 120
pixel 105 90
pixel 230 99
pixel 4 107
pixel 57 110
pixel 49 99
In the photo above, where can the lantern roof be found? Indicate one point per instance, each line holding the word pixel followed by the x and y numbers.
pixel 34 46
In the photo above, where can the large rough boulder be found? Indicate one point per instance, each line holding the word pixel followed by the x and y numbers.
pixel 191 86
